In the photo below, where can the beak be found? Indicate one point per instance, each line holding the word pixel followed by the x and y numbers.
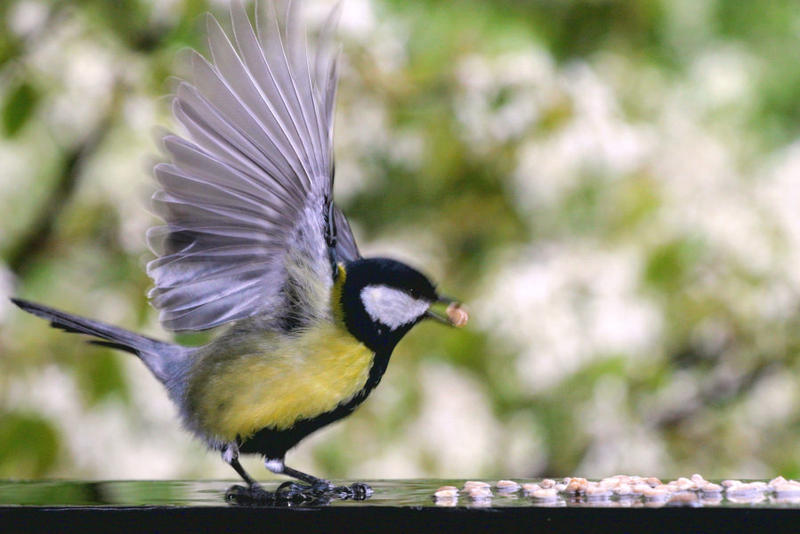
pixel 456 315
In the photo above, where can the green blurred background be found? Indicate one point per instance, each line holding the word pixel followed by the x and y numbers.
pixel 611 186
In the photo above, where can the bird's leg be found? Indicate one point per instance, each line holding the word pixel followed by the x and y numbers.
pixel 253 492
pixel 316 488
pixel 230 455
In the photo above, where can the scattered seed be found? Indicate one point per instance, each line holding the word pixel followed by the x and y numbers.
pixel 577 485
pixel 610 483
pixel 481 503
pixel 659 493
pixel 596 493
pixel 446 492
pixel 545 494
pixel 479 493
pixel 507 486
pixel 623 490
pixel 530 487
pixel 710 498
pixel 698 480
pixel 446 501
pixel 683 498
pixel 744 488
pixel 710 487
pixel 630 490
pixel 777 481
pixel 469 484
pixel 746 498
pixel 786 488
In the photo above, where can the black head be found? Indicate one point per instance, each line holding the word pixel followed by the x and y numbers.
pixel 382 299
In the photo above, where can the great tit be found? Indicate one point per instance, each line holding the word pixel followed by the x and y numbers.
pixel 253 241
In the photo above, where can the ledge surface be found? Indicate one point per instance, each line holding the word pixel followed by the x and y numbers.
pixel 396 506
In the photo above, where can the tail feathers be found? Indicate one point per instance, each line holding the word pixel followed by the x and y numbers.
pixel 151 351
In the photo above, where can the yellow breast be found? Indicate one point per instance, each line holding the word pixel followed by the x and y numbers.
pixel 291 378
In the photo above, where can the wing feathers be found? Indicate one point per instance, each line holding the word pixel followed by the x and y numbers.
pixel 243 194
pixel 245 90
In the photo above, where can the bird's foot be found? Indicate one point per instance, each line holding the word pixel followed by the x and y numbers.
pixel 291 493
pixel 358 491
pixel 322 490
pixel 253 495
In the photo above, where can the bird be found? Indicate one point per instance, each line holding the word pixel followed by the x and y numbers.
pixel 253 247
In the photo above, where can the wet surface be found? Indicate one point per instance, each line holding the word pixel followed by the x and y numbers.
pixel 387 493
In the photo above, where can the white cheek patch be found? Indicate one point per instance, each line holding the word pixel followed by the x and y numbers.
pixel 392 307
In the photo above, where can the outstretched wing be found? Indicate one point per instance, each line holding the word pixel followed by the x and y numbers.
pixel 247 198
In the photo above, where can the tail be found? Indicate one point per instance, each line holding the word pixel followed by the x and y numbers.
pixel 157 355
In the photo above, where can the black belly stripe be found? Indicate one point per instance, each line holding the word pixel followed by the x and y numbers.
pixel 273 443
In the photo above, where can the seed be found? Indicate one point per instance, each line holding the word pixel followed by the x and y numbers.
pixel 623 489
pixel 730 483
pixel 683 497
pixel 481 503
pixel 777 481
pixel 577 485
pixel 530 487
pixel 507 486
pixel 710 487
pixel 710 498
pixel 545 494
pixel 698 480
pixel 469 484
pixel 479 493
pixel 547 483
pixel 659 493
pixel 446 501
pixel 749 496
pixel 652 482
pixel 746 490
pixel 787 488
pixel 597 492
pixel 457 314
pixel 609 483
pixel 446 492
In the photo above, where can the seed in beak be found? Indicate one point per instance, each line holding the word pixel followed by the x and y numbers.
pixel 458 316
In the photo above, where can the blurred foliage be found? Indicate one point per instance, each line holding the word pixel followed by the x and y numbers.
pixel 611 185
pixel 28 444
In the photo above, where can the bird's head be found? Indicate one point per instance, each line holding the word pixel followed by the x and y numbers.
pixel 382 299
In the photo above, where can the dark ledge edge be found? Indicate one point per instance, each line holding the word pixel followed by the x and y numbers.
pixel 382 519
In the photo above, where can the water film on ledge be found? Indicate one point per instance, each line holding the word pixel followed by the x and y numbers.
pixel 394 493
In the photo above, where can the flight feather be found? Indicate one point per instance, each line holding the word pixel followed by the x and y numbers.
pixel 247 194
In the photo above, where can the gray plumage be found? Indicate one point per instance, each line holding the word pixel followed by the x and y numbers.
pixel 163 359
pixel 253 240
pixel 249 193
pixel 250 229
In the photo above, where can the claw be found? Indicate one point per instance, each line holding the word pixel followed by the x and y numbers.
pixel 361 491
